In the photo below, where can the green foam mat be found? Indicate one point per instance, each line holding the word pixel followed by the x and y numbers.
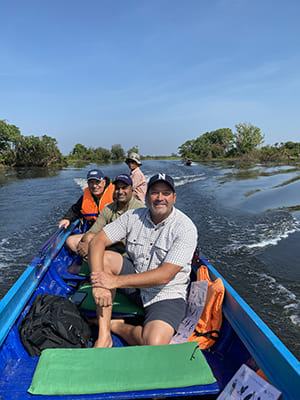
pixel 120 369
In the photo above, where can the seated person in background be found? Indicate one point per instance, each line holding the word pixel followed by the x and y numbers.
pixel 96 196
pixel 160 243
pixel 123 201
pixel 138 179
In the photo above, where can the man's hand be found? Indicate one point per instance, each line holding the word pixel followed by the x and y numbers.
pixel 82 249
pixel 64 222
pixel 104 280
pixel 102 297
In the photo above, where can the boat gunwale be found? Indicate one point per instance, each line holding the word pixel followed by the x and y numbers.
pixel 15 300
pixel 276 361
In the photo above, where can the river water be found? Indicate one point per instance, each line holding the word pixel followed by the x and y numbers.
pixel 248 221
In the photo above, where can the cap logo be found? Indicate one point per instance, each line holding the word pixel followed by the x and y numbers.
pixel 162 177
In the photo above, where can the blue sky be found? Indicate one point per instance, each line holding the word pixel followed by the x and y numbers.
pixel 149 73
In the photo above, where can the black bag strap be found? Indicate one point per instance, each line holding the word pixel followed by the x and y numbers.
pixel 214 335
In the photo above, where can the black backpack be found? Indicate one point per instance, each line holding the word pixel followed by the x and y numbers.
pixel 53 322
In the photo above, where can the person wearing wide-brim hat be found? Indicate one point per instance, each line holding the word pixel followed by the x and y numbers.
pixel 138 178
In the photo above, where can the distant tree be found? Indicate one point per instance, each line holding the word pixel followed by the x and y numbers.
pixel 186 149
pixel 117 152
pixel 79 151
pixel 221 138
pixel 202 147
pixel 269 153
pixel 212 144
pixel 133 149
pixel 19 150
pixel 247 138
pixel 9 135
pixel 49 151
pixel 102 154
pixel 82 153
pixel 35 151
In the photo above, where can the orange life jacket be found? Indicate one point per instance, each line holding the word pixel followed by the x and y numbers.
pixel 208 328
pixel 89 209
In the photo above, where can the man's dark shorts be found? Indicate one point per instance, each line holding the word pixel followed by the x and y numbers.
pixel 171 311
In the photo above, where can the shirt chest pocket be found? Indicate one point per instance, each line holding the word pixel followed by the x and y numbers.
pixel 135 248
pixel 158 252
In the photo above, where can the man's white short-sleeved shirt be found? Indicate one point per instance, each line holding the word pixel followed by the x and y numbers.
pixel 148 246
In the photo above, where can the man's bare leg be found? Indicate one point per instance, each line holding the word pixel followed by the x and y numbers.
pixel 112 263
pixel 131 333
pixel 153 333
pixel 104 318
pixel 73 240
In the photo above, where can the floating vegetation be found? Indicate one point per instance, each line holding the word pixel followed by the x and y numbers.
pixel 288 209
pixel 297 178
pixel 251 192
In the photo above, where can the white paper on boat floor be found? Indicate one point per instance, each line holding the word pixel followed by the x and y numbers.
pixel 247 385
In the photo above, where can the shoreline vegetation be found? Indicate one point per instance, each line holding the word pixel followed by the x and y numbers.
pixel 243 146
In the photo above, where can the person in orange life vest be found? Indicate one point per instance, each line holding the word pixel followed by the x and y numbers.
pixel 138 179
pixel 96 196
pixel 123 201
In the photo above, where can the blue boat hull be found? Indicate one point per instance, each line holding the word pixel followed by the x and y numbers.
pixel 244 338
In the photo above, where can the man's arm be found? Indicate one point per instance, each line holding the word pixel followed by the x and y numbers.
pixel 155 277
pixel 72 214
pixel 83 245
pixel 102 296
pixel 96 251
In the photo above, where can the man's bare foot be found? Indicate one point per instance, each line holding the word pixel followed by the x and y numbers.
pixel 116 323
pixel 103 343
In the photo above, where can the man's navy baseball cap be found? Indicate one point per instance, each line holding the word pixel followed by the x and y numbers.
pixel 95 174
pixel 124 178
pixel 161 178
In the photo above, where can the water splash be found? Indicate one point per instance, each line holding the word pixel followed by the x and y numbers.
pixel 82 183
pixel 282 297
pixel 268 231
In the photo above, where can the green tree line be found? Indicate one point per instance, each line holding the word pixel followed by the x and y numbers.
pixel 17 150
pixel 244 144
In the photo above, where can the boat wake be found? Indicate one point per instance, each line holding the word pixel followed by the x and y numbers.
pixel 184 180
pixel 178 180
pixel 82 183
pixel 266 230
pixel 282 298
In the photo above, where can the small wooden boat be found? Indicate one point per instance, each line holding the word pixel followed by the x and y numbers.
pixel 244 339
pixel 188 161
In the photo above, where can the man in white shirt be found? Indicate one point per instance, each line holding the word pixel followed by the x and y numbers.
pixel 160 242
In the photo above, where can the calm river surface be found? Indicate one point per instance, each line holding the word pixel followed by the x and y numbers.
pixel 248 221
